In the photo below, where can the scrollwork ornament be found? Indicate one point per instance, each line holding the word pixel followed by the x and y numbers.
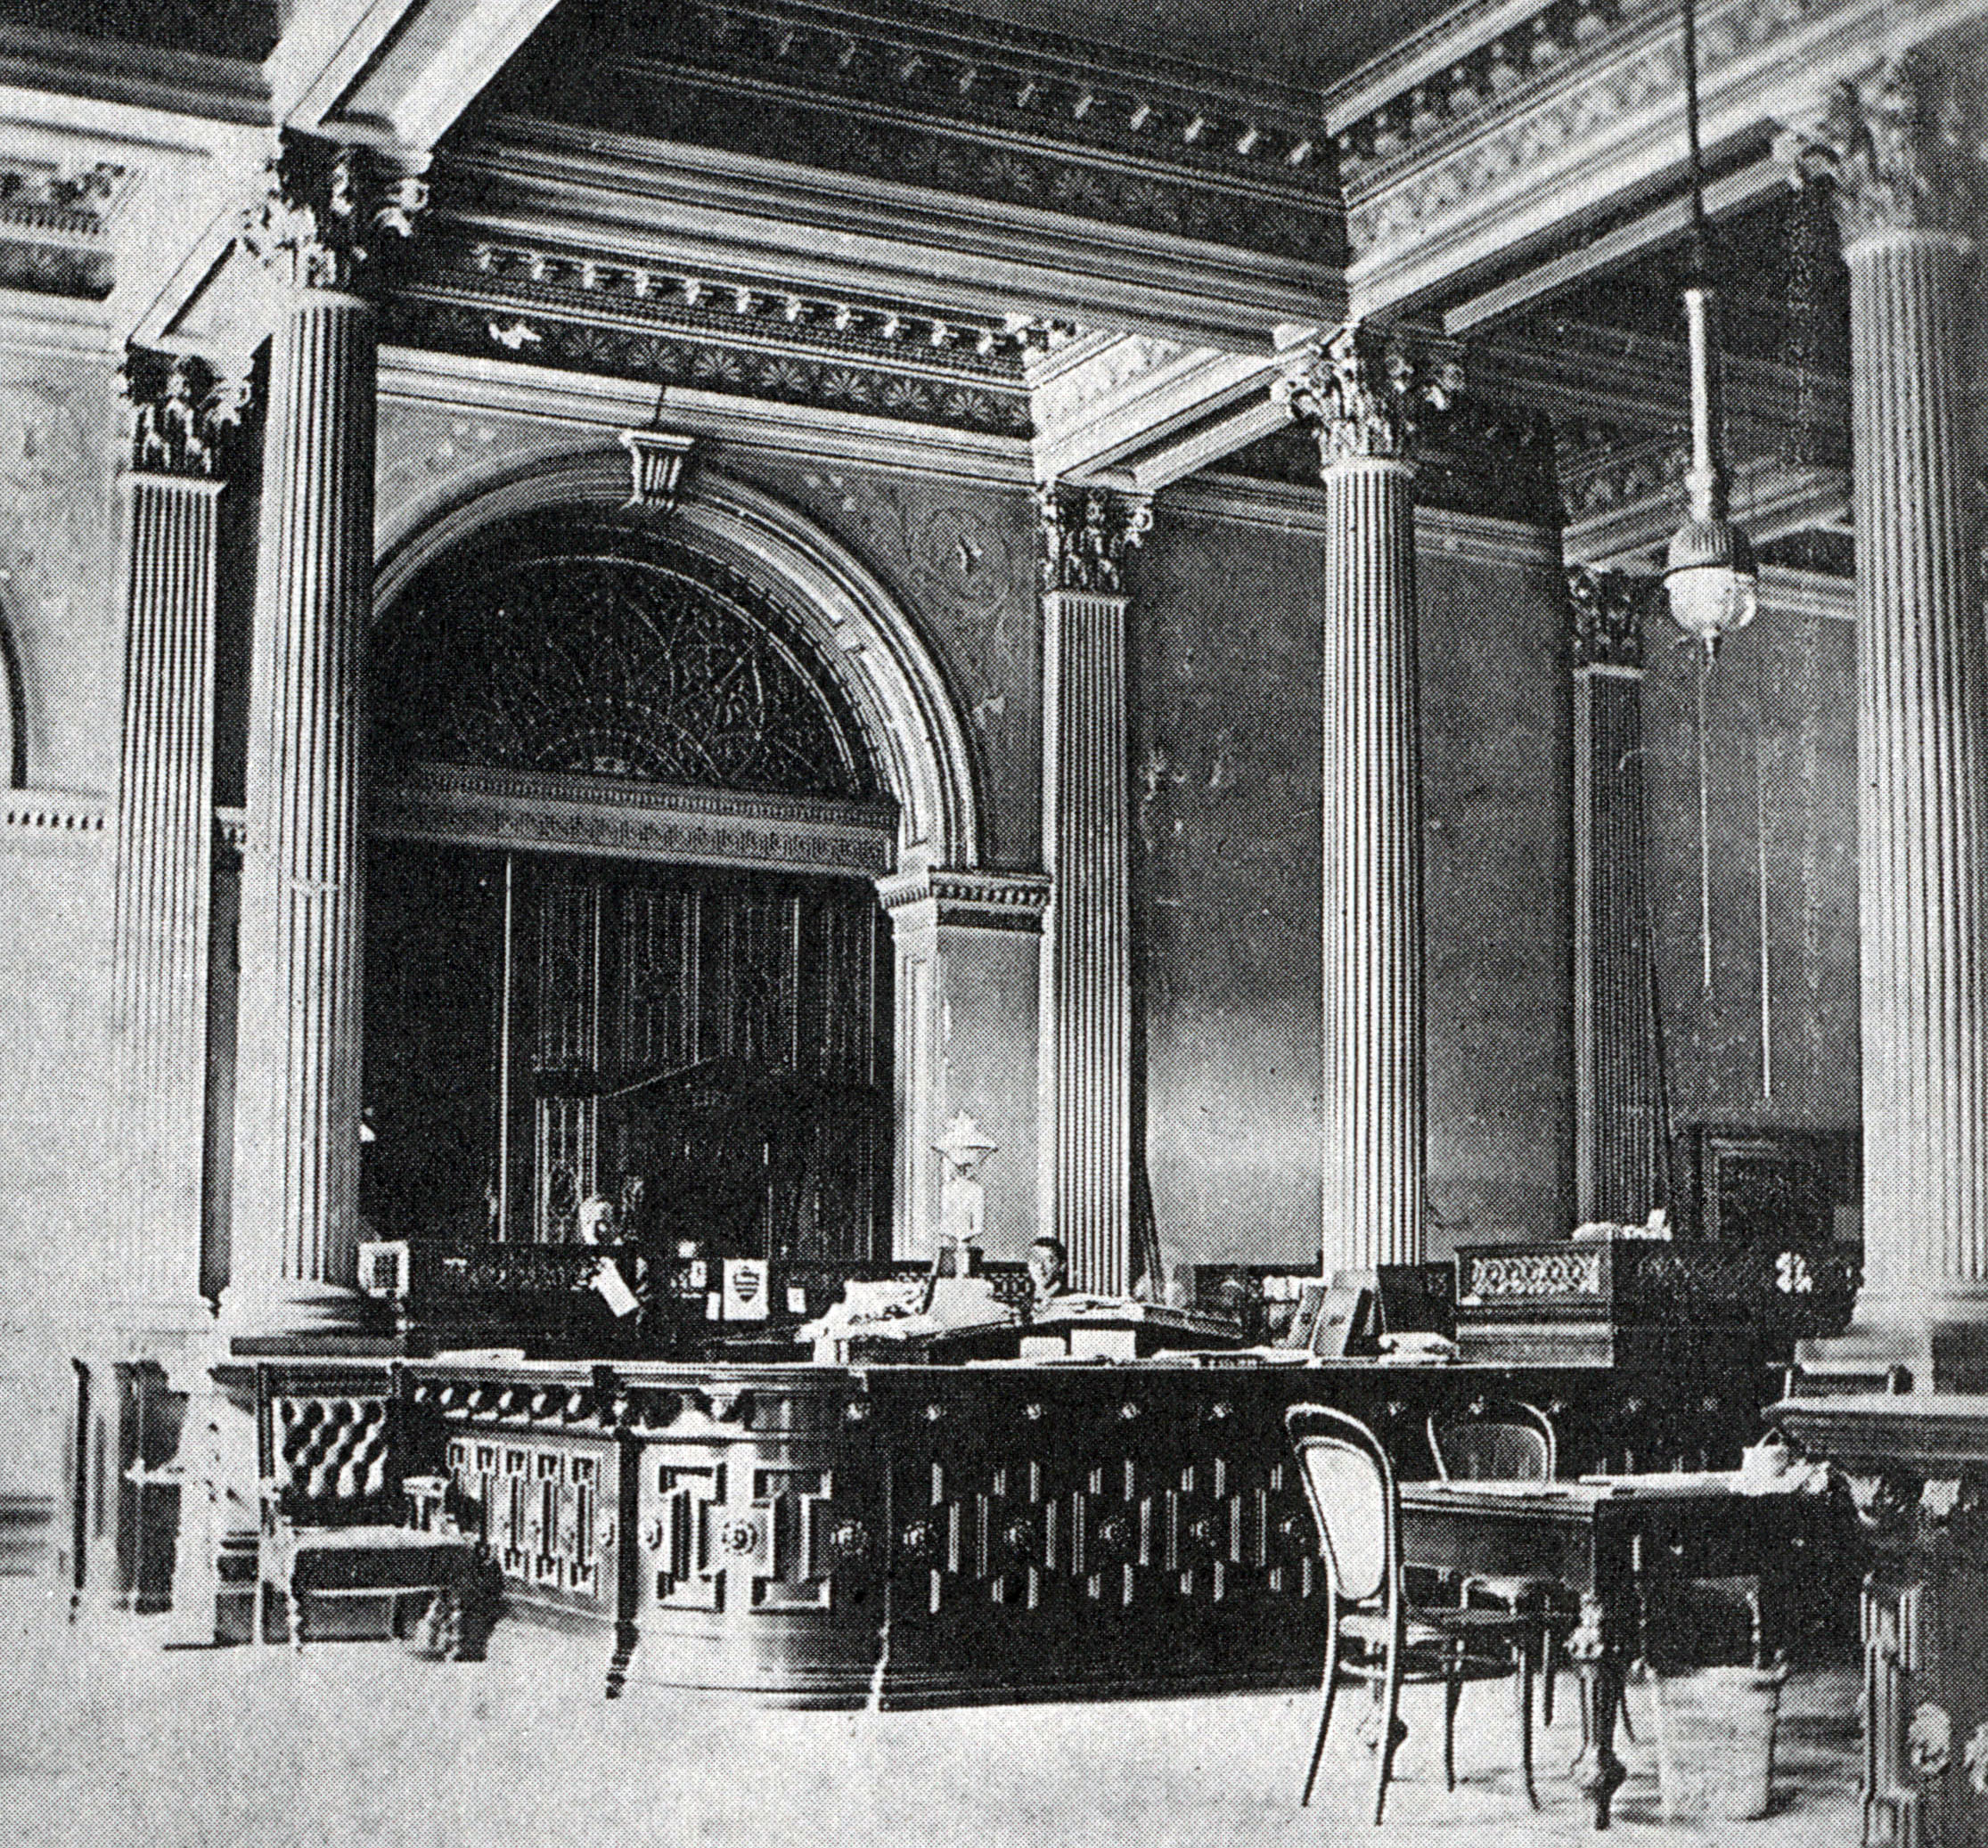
pixel 1085 534
pixel 1901 150
pixel 331 213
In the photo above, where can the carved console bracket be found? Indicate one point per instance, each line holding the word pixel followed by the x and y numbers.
pixel 970 897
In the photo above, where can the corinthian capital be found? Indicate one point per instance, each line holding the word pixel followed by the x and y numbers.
pixel 1086 533
pixel 1358 395
pixel 331 213
pixel 185 414
pixel 1901 150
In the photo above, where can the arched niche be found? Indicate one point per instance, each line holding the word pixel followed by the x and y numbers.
pixel 891 680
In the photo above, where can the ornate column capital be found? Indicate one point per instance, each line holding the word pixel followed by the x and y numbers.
pixel 1606 608
pixel 330 214
pixel 1901 150
pixel 1086 533
pixel 184 415
pixel 1362 394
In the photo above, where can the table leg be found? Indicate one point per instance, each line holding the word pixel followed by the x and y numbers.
pixel 1597 1771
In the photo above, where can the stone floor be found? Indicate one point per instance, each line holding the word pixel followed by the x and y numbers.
pixel 107 1739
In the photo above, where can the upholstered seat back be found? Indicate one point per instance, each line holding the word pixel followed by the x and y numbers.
pixel 330 1453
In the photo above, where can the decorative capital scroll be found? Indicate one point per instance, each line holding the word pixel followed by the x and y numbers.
pixel 185 414
pixel 1607 612
pixel 1901 150
pixel 330 212
pixel 1362 394
pixel 1086 533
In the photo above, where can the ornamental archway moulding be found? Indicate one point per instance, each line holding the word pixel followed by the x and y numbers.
pixel 868 640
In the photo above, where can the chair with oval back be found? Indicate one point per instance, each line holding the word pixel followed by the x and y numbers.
pixel 1507 1440
pixel 1374 1633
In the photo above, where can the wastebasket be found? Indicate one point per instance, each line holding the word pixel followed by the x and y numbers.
pixel 1716 1742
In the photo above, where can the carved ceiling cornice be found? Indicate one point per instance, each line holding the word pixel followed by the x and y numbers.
pixel 1506 126
pixel 918 64
pixel 608 314
pixel 55 225
pixel 1041 127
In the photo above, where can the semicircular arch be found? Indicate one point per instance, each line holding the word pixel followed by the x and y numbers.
pixel 889 675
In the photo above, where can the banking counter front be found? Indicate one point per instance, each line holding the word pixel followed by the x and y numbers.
pixel 824 1535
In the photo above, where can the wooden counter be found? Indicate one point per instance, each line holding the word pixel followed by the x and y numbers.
pixel 828 1536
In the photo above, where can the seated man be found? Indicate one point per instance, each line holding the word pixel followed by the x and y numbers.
pixel 1049 1272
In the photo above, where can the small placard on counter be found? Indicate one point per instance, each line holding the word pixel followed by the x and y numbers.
pixel 747 1289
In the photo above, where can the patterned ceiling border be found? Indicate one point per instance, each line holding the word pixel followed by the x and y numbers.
pixel 1275 213
pixel 997 76
pixel 631 346
pixel 750 310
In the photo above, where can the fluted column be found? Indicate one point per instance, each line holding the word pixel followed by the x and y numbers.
pixel 181 416
pixel 1908 191
pixel 1087 1153
pixel 297 1113
pixel 1361 403
pixel 1617 1107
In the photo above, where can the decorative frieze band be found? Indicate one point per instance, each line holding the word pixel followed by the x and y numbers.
pixel 330 214
pixel 1084 534
pixel 53 226
pixel 972 896
pixel 594 815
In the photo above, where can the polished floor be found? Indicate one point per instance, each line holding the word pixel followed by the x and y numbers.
pixel 111 1740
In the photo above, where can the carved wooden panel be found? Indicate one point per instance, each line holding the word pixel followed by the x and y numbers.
pixel 550 1509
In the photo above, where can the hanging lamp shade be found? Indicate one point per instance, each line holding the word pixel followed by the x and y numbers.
pixel 1709 574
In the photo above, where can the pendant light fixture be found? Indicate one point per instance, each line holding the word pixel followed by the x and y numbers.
pixel 1709 575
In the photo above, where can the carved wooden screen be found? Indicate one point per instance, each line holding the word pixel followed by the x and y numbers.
pixel 710 1050
pixel 706 1053
pixel 700 1045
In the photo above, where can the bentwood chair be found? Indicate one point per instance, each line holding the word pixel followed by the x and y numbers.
pixel 1507 1440
pixel 1375 1634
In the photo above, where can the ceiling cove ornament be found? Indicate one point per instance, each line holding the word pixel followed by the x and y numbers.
pixel 629 346
pixel 594 649
pixel 330 214
pixel 1424 171
pixel 184 416
pixel 1900 151
pixel 1018 81
pixel 1084 533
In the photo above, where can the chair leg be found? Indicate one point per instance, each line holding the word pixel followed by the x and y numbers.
pixel 1390 1721
pixel 1452 1696
pixel 294 1605
pixel 1550 1664
pixel 1325 1692
pixel 1525 1649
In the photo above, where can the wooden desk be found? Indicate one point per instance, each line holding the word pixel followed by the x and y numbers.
pixel 1611 1541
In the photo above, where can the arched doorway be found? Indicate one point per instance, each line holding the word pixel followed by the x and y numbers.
pixel 624 939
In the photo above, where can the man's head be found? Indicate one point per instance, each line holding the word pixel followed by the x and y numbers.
pixel 1049 1266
